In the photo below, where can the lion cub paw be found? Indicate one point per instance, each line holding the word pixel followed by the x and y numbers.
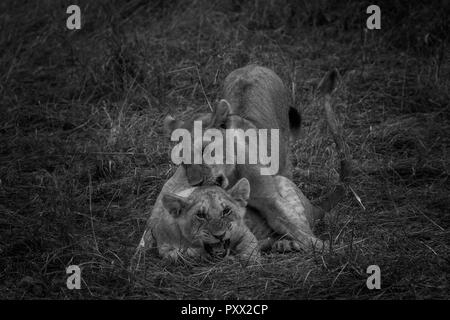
pixel 314 245
pixel 318 246
pixel 285 245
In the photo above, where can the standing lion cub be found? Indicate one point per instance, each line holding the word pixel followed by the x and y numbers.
pixel 201 222
pixel 254 97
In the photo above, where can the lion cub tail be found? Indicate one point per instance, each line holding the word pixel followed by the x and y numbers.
pixel 325 88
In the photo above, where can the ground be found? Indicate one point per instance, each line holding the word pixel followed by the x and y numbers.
pixel 83 155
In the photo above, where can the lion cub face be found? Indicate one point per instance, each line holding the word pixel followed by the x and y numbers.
pixel 207 216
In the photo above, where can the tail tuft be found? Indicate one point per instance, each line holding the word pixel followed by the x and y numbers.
pixel 295 121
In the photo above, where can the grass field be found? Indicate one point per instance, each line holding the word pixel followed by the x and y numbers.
pixel 83 156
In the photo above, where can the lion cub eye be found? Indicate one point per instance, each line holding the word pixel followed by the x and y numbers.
pixel 201 215
pixel 226 211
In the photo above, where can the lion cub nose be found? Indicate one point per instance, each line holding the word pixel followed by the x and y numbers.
pixel 219 236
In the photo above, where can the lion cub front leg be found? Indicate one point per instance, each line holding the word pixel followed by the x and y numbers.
pixel 285 210
pixel 296 234
pixel 174 253
pixel 245 246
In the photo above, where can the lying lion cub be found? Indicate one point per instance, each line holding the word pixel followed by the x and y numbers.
pixel 201 222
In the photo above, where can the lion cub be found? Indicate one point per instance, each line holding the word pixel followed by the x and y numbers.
pixel 203 222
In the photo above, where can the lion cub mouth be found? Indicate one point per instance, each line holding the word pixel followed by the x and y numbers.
pixel 219 249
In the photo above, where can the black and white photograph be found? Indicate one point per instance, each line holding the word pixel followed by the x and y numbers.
pixel 224 150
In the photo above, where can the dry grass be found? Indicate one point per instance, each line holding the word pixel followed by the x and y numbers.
pixel 82 157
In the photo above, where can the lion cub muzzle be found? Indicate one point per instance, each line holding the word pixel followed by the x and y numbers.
pixel 220 249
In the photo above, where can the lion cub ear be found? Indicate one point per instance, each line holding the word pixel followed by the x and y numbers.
pixel 170 124
pixel 174 204
pixel 240 191
pixel 220 114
